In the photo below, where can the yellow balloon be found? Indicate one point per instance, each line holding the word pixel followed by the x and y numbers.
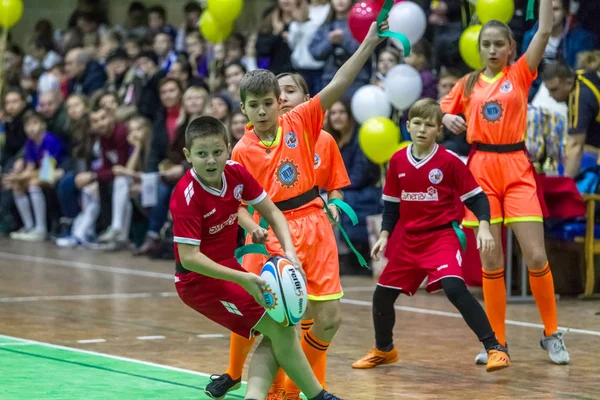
pixel 468 46
pixel 10 12
pixel 212 30
pixel 500 10
pixel 225 10
pixel 378 138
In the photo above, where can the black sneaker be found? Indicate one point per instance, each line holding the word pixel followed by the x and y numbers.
pixel 220 385
pixel 324 395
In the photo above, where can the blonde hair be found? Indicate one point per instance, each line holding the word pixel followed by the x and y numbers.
pixel 426 109
pixel 183 116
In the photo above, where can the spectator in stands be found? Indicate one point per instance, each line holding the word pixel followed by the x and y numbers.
pixel 334 44
pixel 109 42
pixel 157 20
pixel 455 143
pixel 182 71
pixel 85 75
pixel 419 59
pixel 238 127
pixel 582 91
pixel 234 72
pixel 72 39
pixel 163 48
pixel 191 15
pixel 42 55
pixel 364 192
pixel 589 61
pixel 194 43
pixel 50 106
pixel 149 100
pixel 136 26
pixel 28 179
pixel 133 47
pixel 388 58
pixel 272 40
pixel 446 21
pixel 13 65
pixel 122 79
pixel 221 107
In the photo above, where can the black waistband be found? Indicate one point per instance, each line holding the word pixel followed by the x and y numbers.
pixel 298 201
pixel 180 270
pixel 499 148
pixel 433 229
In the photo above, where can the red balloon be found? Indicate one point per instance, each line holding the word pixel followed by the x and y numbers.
pixel 361 16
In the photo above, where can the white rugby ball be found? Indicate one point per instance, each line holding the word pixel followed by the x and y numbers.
pixel 286 296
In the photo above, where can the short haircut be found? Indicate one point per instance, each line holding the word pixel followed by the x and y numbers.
pixel 205 126
pixel 191 7
pixel 559 70
pixel 160 10
pixel 259 82
pixel 31 115
pixel 426 109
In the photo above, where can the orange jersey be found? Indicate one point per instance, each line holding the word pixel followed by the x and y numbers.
pixel 288 169
pixel 496 110
pixel 329 165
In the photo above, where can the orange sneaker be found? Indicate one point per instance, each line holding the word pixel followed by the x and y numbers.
pixel 376 357
pixel 276 394
pixel 497 360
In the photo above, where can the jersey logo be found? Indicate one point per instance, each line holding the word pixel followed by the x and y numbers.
pixel 317 161
pixel 492 111
pixel 237 192
pixel 232 308
pixel 506 87
pixel 189 193
pixel 459 258
pixel 431 195
pixel 291 140
pixel 218 228
pixel 211 212
pixel 435 176
pixel 402 175
pixel 287 173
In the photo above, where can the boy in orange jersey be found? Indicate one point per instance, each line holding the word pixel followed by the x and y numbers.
pixel 279 152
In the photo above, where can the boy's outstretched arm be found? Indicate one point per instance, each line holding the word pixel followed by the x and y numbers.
pixel 349 71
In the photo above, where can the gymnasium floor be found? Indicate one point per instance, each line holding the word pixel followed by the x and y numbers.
pixel 87 325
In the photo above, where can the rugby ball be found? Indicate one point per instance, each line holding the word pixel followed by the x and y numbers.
pixel 286 296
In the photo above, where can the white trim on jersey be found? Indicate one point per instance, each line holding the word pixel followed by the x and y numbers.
pixel 182 240
pixel 212 190
pixel 256 200
pixel 472 193
pixel 419 164
pixel 390 198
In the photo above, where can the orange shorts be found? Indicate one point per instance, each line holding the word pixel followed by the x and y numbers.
pixel 509 183
pixel 316 247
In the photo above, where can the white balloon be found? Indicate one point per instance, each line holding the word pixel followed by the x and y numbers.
pixel 403 86
pixel 409 19
pixel 370 101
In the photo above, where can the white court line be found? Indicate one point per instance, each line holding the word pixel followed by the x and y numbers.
pixel 157 337
pixel 457 315
pixel 126 271
pixel 16 344
pixel 94 353
pixel 210 335
pixel 86 341
pixel 86 297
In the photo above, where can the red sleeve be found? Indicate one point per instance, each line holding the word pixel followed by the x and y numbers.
pixel 311 116
pixel 523 73
pixel 452 103
pixel 391 189
pixel 463 180
pixel 253 193
pixel 187 219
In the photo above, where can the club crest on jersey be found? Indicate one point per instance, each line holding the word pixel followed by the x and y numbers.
pixel 287 173
pixel 317 161
pixel 237 192
pixel 506 87
pixel 435 176
pixel 291 140
pixel 492 111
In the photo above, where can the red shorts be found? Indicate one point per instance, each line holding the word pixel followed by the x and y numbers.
pixel 223 302
pixel 434 255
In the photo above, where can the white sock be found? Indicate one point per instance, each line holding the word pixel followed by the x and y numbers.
pixel 124 235
pixel 38 201
pixel 22 202
pixel 120 202
pixel 90 205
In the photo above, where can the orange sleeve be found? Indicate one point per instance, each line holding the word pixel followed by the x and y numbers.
pixel 524 74
pixel 338 176
pixel 311 116
pixel 452 103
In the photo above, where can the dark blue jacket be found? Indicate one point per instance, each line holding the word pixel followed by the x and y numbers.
pixel 364 192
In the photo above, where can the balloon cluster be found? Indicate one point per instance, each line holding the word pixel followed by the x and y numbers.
pixel 216 22
pixel 379 136
pixel 486 10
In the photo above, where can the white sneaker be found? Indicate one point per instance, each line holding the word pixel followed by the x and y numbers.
pixel 34 236
pixel 109 236
pixel 481 358
pixel 16 235
pixel 555 346
pixel 67 242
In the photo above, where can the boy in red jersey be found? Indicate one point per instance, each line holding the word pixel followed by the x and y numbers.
pixel 208 278
pixel 422 185
pixel 278 150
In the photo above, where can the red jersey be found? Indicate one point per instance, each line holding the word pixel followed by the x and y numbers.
pixel 207 217
pixel 427 189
